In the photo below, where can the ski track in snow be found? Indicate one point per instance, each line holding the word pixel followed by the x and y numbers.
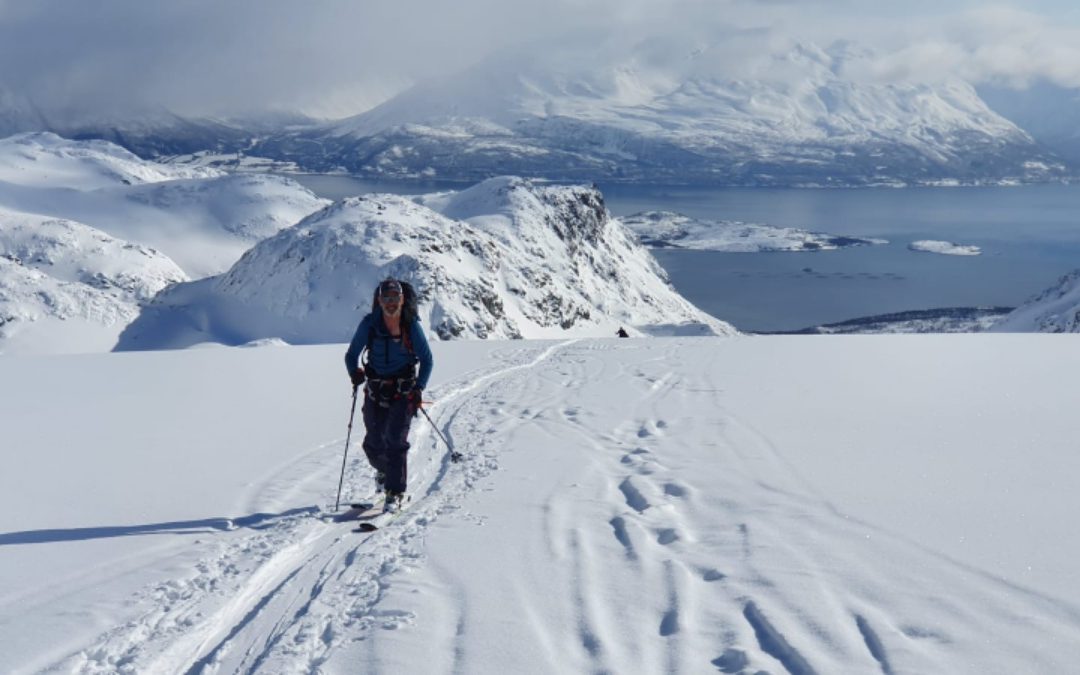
pixel 755 583
pixel 281 598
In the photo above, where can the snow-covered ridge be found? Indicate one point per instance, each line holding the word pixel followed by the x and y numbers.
pixel 666 229
pixel 504 259
pixel 1055 310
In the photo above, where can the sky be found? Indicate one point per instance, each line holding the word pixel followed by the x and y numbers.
pixel 333 58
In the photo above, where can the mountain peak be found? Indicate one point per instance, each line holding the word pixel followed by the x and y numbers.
pixel 504 259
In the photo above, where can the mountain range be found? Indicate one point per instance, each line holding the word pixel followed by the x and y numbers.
pixel 658 112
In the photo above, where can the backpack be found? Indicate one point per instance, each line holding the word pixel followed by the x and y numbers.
pixel 409 313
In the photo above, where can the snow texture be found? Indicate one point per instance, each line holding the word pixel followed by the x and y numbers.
pixel 833 504
pixel 503 259
pixel 943 247
pixel 666 229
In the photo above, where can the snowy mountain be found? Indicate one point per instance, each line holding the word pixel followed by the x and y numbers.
pixel 503 259
pixel 89 232
pixel 671 112
pixel 1055 310
pixel 834 505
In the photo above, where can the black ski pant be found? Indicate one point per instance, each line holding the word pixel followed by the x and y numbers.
pixel 386 442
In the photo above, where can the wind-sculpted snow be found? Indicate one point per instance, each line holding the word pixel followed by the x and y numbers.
pixel 1055 310
pixel 625 506
pixel 665 229
pixel 503 259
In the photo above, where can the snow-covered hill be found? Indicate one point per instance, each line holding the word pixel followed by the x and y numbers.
pixel 1055 310
pixel 89 232
pixel 68 287
pixel 503 259
pixel 672 112
pixel 868 504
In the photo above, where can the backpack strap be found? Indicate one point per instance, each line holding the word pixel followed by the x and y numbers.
pixel 406 340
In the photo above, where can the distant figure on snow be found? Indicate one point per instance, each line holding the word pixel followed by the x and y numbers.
pixel 394 343
pixel 622 332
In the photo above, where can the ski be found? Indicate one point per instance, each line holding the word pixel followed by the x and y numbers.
pixel 356 510
pixel 381 519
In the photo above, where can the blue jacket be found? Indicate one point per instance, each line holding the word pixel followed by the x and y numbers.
pixel 388 356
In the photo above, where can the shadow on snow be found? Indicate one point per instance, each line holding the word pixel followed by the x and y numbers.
pixel 254 521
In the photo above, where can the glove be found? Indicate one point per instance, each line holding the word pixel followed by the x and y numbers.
pixel 357 377
pixel 416 399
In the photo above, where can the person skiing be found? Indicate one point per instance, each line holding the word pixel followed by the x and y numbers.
pixel 622 332
pixel 394 343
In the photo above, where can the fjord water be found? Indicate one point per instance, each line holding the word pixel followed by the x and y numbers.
pixel 1029 235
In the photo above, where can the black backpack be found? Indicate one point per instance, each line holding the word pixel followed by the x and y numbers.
pixel 409 313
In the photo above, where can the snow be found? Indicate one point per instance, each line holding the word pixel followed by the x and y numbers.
pixel 672 111
pixel 505 258
pixel 47 160
pixel 1055 310
pixel 89 233
pixel 802 504
pixel 663 229
pixel 943 247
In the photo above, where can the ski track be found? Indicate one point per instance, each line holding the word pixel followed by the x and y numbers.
pixel 755 583
pixel 279 598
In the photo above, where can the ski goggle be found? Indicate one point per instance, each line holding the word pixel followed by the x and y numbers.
pixel 390 298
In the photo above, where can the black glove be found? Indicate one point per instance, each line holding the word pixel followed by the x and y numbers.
pixel 416 399
pixel 357 377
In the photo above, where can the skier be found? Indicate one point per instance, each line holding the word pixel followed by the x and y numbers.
pixel 622 332
pixel 395 342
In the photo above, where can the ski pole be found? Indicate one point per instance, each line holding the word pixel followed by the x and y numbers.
pixel 348 435
pixel 455 456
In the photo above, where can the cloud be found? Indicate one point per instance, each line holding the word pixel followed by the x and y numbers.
pixel 338 57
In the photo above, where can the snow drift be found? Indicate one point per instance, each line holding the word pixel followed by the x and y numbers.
pixel 503 259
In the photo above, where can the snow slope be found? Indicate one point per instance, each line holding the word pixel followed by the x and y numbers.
pixel 801 504
pixel 1055 310
pixel 503 259
pixel 89 232
pixel 68 287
